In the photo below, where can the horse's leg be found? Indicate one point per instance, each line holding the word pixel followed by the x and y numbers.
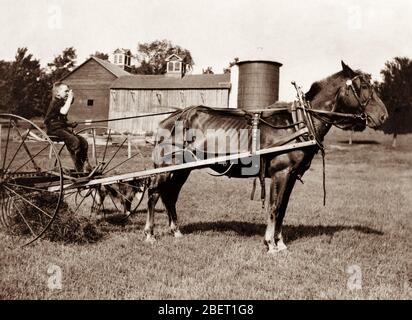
pixel 262 174
pixel 169 194
pixel 278 190
pixel 153 197
pixel 128 199
pixel 280 213
pixel 270 227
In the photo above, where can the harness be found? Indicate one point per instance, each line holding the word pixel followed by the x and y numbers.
pixel 302 122
pixel 302 117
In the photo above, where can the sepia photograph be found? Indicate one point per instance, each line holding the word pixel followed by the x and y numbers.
pixel 220 153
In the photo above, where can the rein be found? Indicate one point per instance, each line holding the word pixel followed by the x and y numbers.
pixel 325 116
pixel 126 118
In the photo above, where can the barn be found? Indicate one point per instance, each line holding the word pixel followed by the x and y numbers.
pixel 140 94
pixel 104 90
pixel 91 83
pixel 143 94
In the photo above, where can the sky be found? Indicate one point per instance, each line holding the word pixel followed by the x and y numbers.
pixel 309 38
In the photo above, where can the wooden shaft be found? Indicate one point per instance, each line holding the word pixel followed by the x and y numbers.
pixel 189 165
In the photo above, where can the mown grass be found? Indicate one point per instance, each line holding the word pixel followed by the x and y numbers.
pixel 366 223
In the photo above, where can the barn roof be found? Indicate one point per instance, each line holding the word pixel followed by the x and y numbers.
pixel 115 70
pixel 118 72
pixel 190 81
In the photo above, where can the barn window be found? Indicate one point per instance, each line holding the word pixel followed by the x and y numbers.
pixel 177 66
pixel 170 64
pixel 115 58
pixel 90 102
pixel 120 59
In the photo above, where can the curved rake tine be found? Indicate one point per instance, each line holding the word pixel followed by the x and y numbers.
pixel 140 188
pixel 111 198
pixel 7 207
pixel 81 202
pixel 7 146
pixel 75 198
pixel 68 194
pixel 25 221
pixel 94 201
pixel 95 208
pixel 122 196
pixel 4 202
pixel 28 202
pixel 21 215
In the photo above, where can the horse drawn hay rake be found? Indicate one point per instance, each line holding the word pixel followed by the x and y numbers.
pixel 35 174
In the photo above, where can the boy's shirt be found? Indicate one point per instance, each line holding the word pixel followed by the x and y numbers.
pixel 54 119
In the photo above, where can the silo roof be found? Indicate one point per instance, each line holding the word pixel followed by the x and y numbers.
pixel 261 61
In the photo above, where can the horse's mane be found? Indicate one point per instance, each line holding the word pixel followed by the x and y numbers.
pixel 328 84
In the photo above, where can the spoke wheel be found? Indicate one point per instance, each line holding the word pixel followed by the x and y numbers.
pixel 30 165
pixel 110 153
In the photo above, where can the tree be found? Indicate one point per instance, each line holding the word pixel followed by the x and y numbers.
pixel 4 90
pixel 100 55
pixel 208 70
pixel 23 85
pixel 152 56
pixel 63 64
pixel 396 92
pixel 231 64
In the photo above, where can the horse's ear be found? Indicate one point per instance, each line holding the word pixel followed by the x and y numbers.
pixel 347 71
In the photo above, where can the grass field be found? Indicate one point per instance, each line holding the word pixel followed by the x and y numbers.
pixel 365 228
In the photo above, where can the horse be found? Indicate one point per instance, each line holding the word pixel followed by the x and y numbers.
pixel 346 99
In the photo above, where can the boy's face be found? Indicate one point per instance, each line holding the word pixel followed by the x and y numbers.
pixel 62 91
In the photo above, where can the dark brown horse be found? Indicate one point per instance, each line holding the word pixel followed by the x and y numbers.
pixel 346 92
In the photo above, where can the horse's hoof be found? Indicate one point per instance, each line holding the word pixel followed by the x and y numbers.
pixel 272 251
pixel 178 234
pixel 281 246
pixel 150 239
pixel 277 249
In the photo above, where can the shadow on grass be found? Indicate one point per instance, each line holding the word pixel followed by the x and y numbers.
pixel 290 233
pixel 360 142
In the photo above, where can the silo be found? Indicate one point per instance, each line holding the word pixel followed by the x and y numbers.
pixel 258 83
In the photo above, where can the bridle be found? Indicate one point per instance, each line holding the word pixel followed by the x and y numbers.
pixel 361 104
pixel 329 117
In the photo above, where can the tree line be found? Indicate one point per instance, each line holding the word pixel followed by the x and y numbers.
pixel 25 87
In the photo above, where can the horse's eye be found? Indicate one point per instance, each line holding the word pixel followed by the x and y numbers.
pixel 364 86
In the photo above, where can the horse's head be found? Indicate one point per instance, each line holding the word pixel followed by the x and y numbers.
pixel 357 95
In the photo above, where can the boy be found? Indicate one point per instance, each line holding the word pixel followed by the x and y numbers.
pixel 57 125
